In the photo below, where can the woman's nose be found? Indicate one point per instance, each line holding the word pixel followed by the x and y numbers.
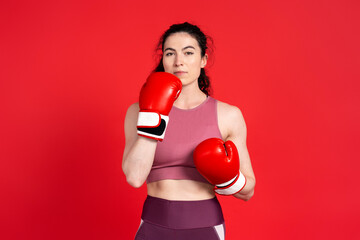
pixel 178 60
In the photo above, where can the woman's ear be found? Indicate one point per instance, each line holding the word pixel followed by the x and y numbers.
pixel 204 60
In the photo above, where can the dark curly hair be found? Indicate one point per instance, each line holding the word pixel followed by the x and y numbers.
pixel 202 39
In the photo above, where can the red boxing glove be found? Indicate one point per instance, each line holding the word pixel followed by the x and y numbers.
pixel 157 96
pixel 219 163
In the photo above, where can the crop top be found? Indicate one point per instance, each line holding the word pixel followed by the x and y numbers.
pixel 186 129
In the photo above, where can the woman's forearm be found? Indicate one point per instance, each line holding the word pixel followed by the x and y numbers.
pixel 138 161
pixel 248 191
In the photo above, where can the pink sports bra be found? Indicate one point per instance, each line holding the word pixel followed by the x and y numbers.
pixel 186 129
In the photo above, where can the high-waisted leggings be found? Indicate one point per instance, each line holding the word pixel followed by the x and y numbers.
pixel 181 220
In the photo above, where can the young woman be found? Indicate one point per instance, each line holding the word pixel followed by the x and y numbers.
pixel 175 114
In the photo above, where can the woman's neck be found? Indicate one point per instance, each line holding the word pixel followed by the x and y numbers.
pixel 190 97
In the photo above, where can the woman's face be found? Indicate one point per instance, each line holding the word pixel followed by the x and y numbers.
pixel 182 57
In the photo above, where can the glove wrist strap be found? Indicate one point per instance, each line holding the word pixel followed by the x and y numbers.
pixel 236 186
pixel 152 125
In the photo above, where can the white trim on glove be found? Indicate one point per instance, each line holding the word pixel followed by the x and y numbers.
pixel 235 187
pixel 148 122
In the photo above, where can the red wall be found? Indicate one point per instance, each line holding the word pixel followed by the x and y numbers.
pixel 70 69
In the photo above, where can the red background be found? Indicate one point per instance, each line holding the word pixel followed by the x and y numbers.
pixel 70 69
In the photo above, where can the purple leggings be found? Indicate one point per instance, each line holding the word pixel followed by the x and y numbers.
pixel 181 220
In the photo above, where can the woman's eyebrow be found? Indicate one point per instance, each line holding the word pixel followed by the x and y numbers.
pixel 188 47
pixel 171 49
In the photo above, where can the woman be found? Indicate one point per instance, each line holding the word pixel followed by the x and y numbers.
pixel 181 203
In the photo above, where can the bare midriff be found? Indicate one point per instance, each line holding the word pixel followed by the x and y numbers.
pixel 182 190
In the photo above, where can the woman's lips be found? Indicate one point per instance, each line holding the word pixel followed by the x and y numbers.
pixel 179 73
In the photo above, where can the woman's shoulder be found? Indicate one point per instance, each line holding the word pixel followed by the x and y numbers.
pixel 227 110
pixel 133 107
pixel 132 110
pixel 230 119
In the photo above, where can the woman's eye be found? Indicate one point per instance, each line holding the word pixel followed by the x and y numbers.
pixel 169 54
pixel 189 53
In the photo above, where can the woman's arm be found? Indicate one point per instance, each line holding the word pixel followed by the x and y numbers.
pixel 139 151
pixel 233 127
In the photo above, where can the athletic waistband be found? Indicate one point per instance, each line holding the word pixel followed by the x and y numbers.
pixel 182 214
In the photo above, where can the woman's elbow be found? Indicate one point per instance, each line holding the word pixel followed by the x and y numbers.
pixel 134 181
pixel 131 179
pixel 245 197
pixel 248 196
